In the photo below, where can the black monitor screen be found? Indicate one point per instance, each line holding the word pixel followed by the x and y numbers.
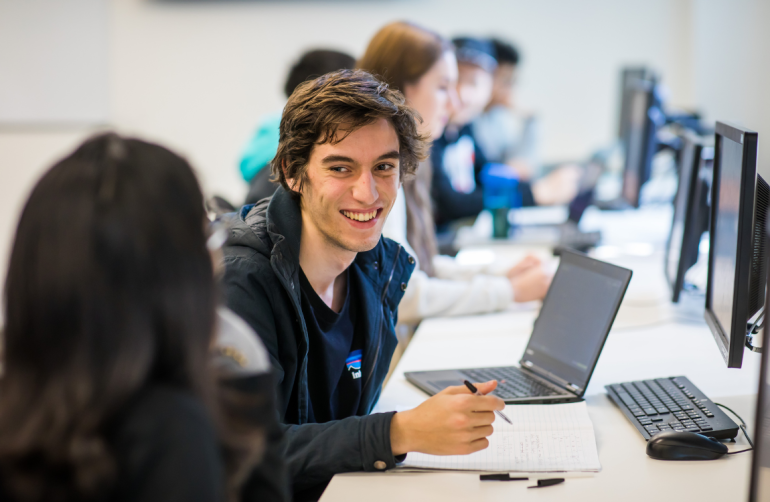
pixel 628 77
pixel 635 145
pixel 689 163
pixel 736 273
pixel 725 245
pixel 576 317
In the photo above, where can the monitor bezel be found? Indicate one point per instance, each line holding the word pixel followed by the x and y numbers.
pixel 643 170
pixel 689 139
pixel 732 348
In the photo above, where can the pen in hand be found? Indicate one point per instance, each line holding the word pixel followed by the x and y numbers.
pixel 473 389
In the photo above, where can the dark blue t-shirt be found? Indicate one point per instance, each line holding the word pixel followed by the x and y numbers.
pixel 334 356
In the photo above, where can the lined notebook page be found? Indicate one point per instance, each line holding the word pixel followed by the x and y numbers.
pixel 543 438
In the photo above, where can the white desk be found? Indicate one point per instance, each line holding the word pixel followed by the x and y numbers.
pixel 657 350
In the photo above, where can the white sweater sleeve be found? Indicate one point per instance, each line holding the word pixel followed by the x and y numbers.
pixel 431 297
pixel 447 267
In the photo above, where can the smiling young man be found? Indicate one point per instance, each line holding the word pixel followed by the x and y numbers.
pixel 309 270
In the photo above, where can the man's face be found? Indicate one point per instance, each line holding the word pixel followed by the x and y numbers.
pixel 502 88
pixel 352 185
pixel 474 88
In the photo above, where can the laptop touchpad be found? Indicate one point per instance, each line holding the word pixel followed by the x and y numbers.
pixel 443 384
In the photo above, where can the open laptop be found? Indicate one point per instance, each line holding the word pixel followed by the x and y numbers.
pixel 566 341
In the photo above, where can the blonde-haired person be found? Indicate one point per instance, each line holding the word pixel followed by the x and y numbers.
pixel 422 65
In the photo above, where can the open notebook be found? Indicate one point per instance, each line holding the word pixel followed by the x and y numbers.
pixel 543 438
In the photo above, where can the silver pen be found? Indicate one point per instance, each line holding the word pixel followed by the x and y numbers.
pixel 473 389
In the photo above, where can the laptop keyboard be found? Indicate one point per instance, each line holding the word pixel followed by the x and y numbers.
pixel 517 383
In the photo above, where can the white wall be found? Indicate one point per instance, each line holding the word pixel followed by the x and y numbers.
pixel 197 75
pixel 731 42
pixel 54 66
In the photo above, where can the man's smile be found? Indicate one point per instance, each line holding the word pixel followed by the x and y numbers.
pixel 362 216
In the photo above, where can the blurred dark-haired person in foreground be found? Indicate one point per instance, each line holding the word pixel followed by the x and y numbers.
pixel 309 270
pixel 109 390
pixel 263 145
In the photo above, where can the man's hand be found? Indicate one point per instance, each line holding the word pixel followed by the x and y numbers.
pixel 530 285
pixel 453 422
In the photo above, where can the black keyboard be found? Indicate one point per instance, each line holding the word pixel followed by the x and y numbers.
pixel 517 382
pixel 671 404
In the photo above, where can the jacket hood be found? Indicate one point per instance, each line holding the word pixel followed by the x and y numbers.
pixel 242 234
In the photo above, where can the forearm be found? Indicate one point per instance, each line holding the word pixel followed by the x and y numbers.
pixel 431 297
pixel 316 452
pixel 451 204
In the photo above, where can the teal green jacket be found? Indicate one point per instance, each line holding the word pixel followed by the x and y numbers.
pixel 262 147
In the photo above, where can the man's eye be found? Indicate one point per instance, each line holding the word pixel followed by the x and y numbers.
pixel 339 169
pixel 385 167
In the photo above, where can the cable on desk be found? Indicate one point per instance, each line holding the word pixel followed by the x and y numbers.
pixel 743 428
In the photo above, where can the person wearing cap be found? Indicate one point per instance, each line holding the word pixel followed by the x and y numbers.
pixel 457 157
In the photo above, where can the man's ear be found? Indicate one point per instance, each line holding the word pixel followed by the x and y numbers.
pixel 289 181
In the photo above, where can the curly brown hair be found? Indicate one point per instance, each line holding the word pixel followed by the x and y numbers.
pixel 342 101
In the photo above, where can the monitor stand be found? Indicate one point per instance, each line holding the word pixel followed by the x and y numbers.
pixel 689 309
pixel 755 325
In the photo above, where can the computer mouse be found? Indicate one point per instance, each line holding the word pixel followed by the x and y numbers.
pixel 684 446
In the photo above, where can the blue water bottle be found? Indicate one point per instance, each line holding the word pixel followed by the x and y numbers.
pixel 501 194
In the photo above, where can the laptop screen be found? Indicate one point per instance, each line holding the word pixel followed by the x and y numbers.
pixel 576 317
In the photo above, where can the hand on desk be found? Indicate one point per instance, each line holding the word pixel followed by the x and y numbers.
pixel 528 262
pixel 558 187
pixel 528 280
pixel 453 422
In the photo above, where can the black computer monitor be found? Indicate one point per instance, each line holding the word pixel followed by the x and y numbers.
pixel 759 489
pixel 735 289
pixel 691 213
pixel 639 143
pixel 627 77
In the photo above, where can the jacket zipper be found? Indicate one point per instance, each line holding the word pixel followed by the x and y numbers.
pixel 382 319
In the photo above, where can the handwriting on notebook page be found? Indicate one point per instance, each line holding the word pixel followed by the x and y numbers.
pixel 538 450
pixel 542 438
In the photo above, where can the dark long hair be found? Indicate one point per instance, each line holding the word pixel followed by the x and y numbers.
pixel 400 54
pixel 110 289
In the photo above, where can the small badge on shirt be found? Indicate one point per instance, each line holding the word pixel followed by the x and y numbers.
pixel 353 362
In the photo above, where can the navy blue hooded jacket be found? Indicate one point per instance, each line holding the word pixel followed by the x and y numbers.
pixel 261 284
